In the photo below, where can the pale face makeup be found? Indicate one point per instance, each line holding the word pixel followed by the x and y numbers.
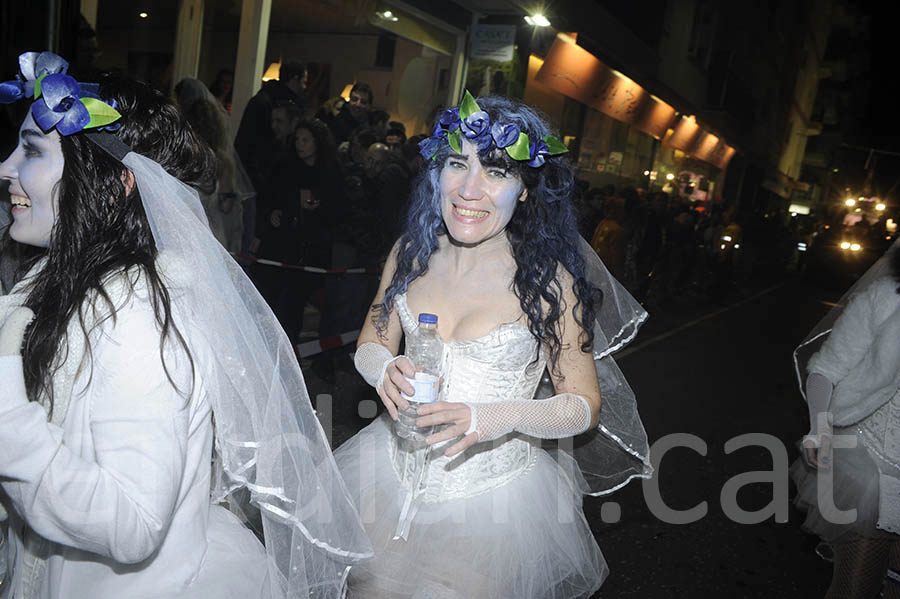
pixel 477 202
pixel 33 171
pixel 305 144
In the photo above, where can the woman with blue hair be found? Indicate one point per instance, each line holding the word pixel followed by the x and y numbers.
pixel 491 247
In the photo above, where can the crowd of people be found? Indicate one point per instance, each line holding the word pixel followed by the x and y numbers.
pixel 303 186
pixel 330 190
pixel 661 246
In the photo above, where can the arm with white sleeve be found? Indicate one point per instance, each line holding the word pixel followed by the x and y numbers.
pixel 113 494
pixel 817 442
pixel 845 347
pixel 562 415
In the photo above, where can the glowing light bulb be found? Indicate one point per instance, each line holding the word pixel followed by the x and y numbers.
pixel 537 20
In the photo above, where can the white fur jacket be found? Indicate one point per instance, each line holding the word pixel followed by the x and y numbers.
pixel 861 356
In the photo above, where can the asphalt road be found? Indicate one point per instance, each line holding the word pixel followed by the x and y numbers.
pixel 724 373
pixel 715 372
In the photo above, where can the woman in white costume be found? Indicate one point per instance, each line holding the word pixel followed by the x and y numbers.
pixel 848 476
pixel 144 380
pixel 491 247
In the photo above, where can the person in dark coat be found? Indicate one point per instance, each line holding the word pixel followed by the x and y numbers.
pixel 354 115
pixel 255 142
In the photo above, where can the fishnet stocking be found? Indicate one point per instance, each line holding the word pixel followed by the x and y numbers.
pixel 859 569
pixel 892 588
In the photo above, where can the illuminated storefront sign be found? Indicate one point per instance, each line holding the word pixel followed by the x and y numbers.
pixel 573 71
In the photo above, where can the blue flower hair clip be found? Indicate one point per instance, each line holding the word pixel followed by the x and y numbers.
pixel 60 101
pixel 471 122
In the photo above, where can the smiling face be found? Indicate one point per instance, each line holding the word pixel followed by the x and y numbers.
pixel 477 201
pixel 33 171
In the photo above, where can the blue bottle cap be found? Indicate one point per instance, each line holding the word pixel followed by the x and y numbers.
pixel 426 318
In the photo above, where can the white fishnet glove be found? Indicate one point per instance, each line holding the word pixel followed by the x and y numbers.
pixel 372 361
pixel 817 444
pixel 559 416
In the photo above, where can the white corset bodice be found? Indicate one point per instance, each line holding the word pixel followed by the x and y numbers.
pixel 880 432
pixel 497 366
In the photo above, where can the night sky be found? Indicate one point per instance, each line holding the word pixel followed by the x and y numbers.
pixel 881 125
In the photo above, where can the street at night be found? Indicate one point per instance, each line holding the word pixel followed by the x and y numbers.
pixel 238 237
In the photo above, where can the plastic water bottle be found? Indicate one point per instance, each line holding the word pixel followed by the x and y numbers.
pixel 424 348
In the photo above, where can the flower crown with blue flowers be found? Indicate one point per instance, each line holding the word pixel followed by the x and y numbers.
pixel 60 101
pixel 471 121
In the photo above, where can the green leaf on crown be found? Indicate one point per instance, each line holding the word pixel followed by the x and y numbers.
pixel 455 142
pixel 37 86
pixel 519 150
pixel 101 112
pixel 554 146
pixel 468 106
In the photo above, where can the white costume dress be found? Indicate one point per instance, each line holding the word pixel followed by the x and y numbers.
pixel 502 519
pixel 115 486
pixel 861 358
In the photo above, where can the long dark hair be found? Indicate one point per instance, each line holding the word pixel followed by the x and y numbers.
pixel 326 150
pixel 101 230
pixel 543 233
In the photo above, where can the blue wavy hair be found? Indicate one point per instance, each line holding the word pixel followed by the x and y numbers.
pixel 543 233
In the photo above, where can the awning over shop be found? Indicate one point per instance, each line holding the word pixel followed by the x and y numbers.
pixel 573 71
pixel 690 138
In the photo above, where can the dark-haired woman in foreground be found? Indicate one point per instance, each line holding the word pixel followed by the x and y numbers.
pixel 144 380
pixel 851 489
pixel 491 248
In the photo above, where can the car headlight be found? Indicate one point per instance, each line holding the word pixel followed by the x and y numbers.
pixel 845 245
pixel 855 247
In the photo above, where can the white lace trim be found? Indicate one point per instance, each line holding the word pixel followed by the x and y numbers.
pixel 482 470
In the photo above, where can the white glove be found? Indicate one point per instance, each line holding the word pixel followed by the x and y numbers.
pixel 557 417
pixel 372 361
pixel 817 443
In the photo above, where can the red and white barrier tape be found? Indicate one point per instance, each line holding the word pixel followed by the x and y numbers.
pixel 317 346
pixel 315 269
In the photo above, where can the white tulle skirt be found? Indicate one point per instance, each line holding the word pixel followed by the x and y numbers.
pixel 857 483
pixel 525 539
